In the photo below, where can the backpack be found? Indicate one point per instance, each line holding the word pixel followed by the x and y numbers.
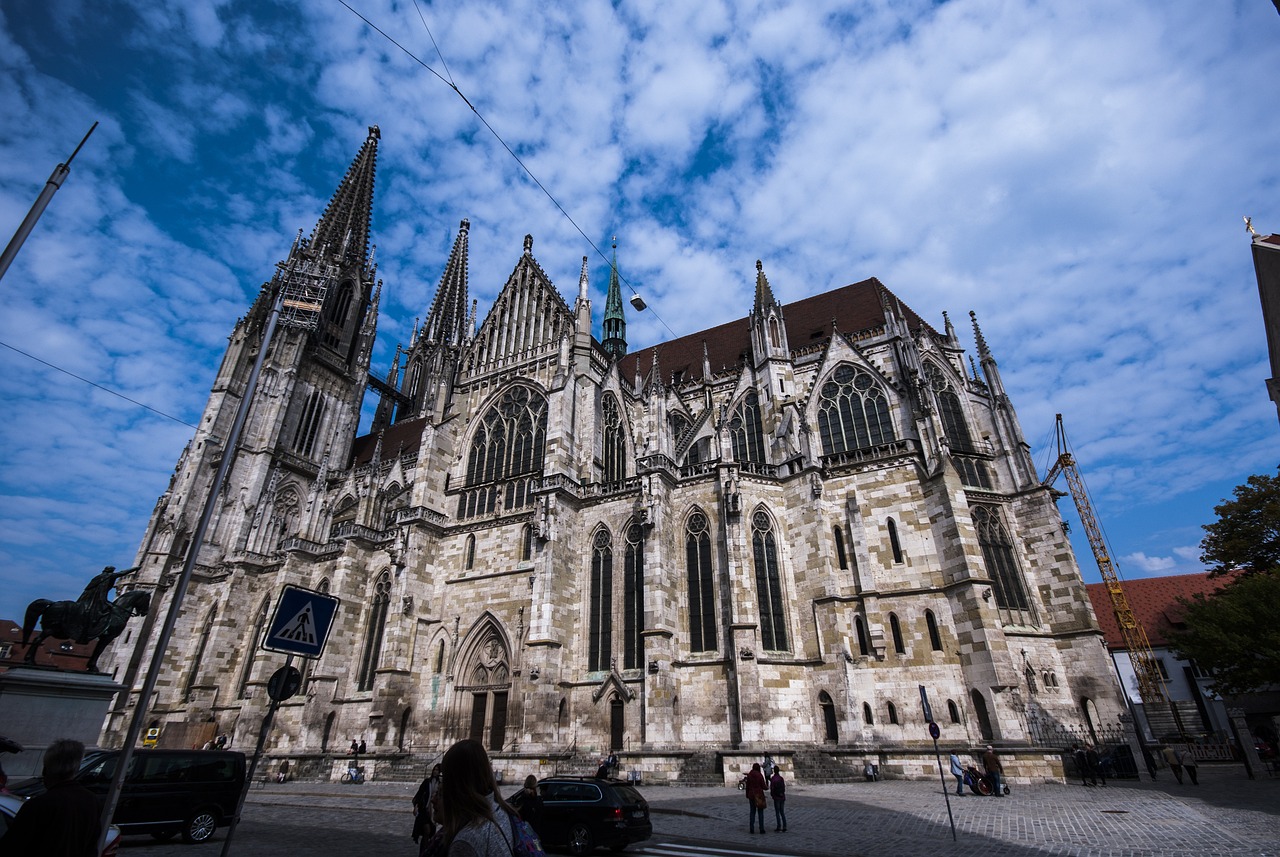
pixel 524 841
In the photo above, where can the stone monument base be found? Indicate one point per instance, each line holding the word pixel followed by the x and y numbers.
pixel 40 706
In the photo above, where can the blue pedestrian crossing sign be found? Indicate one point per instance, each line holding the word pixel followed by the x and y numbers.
pixel 302 622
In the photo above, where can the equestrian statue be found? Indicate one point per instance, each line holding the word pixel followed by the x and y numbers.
pixel 90 617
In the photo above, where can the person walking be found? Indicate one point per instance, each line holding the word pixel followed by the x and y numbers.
pixel 1174 760
pixel 778 791
pixel 477 821
pixel 423 815
pixel 63 821
pixel 1081 763
pixel 1094 761
pixel 957 771
pixel 1188 760
pixel 755 796
pixel 991 763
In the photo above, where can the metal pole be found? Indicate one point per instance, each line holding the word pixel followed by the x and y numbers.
pixel 253 766
pixel 946 788
pixel 180 588
pixel 60 173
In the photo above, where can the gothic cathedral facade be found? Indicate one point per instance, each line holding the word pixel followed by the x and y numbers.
pixel 766 535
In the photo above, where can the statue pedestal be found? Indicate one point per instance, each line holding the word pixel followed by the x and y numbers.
pixel 38 707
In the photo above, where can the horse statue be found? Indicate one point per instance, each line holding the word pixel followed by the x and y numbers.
pixel 69 620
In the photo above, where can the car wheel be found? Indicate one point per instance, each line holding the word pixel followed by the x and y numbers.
pixel 580 840
pixel 164 835
pixel 200 826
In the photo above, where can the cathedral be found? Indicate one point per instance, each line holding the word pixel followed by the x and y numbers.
pixel 773 535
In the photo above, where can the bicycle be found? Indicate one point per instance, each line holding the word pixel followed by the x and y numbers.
pixel 353 776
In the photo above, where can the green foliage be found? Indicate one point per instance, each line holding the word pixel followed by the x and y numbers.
pixel 1246 536
pixel 1234 633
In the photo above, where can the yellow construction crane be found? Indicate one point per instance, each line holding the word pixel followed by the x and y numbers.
pixel 1145 665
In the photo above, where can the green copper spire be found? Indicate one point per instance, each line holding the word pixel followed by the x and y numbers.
pixel 615 324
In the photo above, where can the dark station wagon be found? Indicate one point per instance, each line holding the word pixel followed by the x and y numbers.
pixel 581 813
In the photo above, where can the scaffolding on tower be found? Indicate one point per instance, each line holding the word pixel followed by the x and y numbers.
pixel 303 282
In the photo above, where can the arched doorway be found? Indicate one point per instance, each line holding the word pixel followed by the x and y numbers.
pixel 484 683
pixel 828 707
pixel 1090 717
pixel 404 729
pixel 616 725
pixel 980 711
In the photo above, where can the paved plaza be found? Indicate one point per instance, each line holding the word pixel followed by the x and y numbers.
pixel 1226 814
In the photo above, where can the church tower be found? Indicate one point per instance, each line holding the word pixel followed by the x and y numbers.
pixel 615 323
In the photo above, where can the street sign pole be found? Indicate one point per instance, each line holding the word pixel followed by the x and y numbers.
pixel 253 763
pixel 934 732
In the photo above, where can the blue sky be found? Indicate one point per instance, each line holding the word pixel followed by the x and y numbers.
pixel 1075 173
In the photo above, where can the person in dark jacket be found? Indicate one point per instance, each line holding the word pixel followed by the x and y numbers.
pixel 755 796
pixel 778 791
pixel 528 803
pixel 65 820
pixel 995 771
pixel 423 815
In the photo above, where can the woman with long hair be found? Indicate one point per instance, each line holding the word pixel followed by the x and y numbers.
pixel 477 821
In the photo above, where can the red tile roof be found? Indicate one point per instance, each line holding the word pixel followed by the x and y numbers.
pixel 50 654
pixel 399 438
pixel 1154 602
pixel 853 309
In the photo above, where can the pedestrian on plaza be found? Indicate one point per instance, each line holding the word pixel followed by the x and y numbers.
pixel 63 821
pixel 528 803
pixel 755 796
pixel 1082 765
pixel 1150 759
pixel 282 776
pixel 423 815
pixel 1094 761
pixel 957 771
pixel 477 821
pixel 991 763
pixel 1188 760
pixel 1174 761
pixel 602 772
pixel 766 767
pixel 778 791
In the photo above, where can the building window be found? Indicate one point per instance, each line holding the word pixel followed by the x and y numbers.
pixel 867 716
pixel 953 711
pixel 853 412
pixel 255 640
pixel 1164 671
pixel 746 430
pixel 469 553
pixel 336 311
pixel 506 454
pixel 893 712
pixel 895 629
pixel 526 543
pixel 600 621
pixel 861 629
pixel 894 544
pixel 702 610
pixel 440 659
pixel 374 631
pixel 615 445
pixel 773 629
pixel 304 436
pixel 841 557
pixel 935 639
pixel 997 551
pixel 205 633
pixel 633 600
pixel 950 411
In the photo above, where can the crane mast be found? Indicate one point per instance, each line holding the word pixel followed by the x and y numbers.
pixel 1145 665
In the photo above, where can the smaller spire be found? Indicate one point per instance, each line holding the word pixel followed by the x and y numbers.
pixel 582 281
pixel 983 351
pixel 615 321
pixel 706 361
pixel 974 366
pixel 528 245
pixel 950 329
pixel 764 294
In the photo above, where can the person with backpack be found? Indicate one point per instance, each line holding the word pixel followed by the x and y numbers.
pixel 477 821
pixel 755 796
pixel 778 791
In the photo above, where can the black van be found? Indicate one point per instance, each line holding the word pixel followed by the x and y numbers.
pixel 165 792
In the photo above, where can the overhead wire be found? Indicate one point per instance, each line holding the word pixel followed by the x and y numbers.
pixel 450 83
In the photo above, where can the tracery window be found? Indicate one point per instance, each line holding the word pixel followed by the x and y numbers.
pixel 746 430
pixel 374 631
pixel 506 454
pixel 702 610
pixel 773 629
pixel 954 426
pixel 853 412
pixel 997 551
pixel 304 436
pixel 633 599
pixel 600 620
pixel 615 447
pixel 335 313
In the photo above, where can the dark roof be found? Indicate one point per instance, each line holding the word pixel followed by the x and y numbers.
pixel 1154 602
pixel 398 439
pixel 853 309
pixel 75 657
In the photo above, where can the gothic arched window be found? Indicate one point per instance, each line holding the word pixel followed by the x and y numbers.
pixel 895 628
pixel 633 599
pixel 894 544
pixel 702 608
pixel 841 557
pixel 374 631
pixel 773 628
pixel 304 436
pixel 997 551
pixel 867 716
pixel 893 712
pixel 935 639
pixel 255 639
pixel 526 543
pixel 853 412
pixel 336 311
pixel 860 628
pixel 954 427
pixel 746 430
pixel 614 441
pixel 600 620
pixel 469 553
pixel 506 454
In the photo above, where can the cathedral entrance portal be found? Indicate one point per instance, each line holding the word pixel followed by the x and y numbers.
pixel 829 717
pixel 487 682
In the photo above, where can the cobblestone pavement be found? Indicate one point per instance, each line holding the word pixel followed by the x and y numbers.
pixel 1227 814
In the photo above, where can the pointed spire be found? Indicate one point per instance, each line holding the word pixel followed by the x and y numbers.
pixel 582 281
pixel 948 326
pixel 447 320
pixel 984 353
pixel 615 322
pixel 344 226
pixel 764 294
pixel 706 362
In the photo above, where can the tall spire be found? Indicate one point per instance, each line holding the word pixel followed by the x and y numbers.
pixel 615 323
pixel 447 320
pixel 344 227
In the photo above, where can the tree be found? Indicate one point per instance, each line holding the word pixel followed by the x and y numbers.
pixel 1246 536
pixel 1233 633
